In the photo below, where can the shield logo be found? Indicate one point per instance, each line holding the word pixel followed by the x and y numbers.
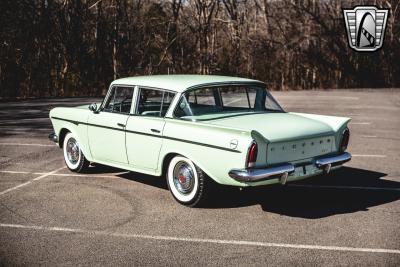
pixel 365 27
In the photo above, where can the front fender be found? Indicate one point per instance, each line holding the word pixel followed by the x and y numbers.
pixel 74 121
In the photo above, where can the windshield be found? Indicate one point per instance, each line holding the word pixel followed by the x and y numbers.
pixel 225 100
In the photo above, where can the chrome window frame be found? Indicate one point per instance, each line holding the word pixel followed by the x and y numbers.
pixel 111 87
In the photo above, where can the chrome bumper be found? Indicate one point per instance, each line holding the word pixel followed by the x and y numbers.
pixel 53 137
pixel 282 171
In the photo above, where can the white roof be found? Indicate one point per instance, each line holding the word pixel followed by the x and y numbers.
pixel 179 82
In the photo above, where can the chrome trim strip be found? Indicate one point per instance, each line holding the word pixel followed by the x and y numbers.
pixel 334 160
pixel 152 135
pixel 254 175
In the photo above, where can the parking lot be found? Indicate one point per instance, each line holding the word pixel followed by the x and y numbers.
pixel 50 216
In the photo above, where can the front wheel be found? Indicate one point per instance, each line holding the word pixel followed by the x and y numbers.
pixel 188 184
pixel 73 156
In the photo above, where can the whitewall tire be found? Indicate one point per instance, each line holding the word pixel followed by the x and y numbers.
pixel 187 182
pixel 73 156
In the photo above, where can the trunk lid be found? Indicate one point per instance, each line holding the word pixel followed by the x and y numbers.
pixel 277 127
pixel 291 138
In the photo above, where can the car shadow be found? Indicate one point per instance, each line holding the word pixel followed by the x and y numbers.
pixel 346 190
pixel 156 181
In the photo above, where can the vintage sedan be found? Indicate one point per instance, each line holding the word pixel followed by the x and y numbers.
pixel 196 129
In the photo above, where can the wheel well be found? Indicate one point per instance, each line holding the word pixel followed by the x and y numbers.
pixel 166 162
pixel 63 133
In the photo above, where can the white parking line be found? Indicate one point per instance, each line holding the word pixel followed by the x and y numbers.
pixel 30 181
pixel 319 96
pixel 67 174
pixel 369 156
pixel 18 172
pixel 21 144
pixel 115 176
pixel 233 101
pixel 203 240
pixel 360 123
pixel 88 175
pixel 345 187
pixel 369 136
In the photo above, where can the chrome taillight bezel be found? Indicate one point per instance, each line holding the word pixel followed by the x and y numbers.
pixel 344 141
pixel 251 159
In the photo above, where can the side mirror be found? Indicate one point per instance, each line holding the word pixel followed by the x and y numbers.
pixel 93 107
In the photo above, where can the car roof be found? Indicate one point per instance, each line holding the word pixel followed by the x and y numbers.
pixel 180 82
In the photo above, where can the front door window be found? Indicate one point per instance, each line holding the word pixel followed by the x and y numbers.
pixel 119 100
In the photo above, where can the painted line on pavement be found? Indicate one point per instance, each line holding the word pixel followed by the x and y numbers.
pixel 368 156
pixel 317 96
pixel 115 176
pixel 203 240
pixel 369 136
pixel 67 174
pixel 19 144
pixel 345 187
pixel 360 123
pixel 31 181
pixel 233 101
pixel 18 172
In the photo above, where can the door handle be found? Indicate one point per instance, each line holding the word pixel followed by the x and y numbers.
pixel 121 124
pixel 155 131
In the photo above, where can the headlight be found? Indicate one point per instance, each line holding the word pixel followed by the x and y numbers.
pixel 345 140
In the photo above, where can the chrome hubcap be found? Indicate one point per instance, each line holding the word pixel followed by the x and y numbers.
pixel 72 151
pixel 183 177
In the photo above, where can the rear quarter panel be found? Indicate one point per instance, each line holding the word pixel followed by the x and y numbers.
pixel 193 140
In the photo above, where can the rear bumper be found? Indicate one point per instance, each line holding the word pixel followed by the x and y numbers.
pixel 53 137
pixel 282 171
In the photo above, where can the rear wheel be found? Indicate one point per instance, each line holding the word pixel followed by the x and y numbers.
pixel 73 156
pixel 188 184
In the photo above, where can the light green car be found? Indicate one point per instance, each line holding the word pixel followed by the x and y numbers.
pixel 196 128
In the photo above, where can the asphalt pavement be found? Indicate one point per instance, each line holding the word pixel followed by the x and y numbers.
pixel 50 216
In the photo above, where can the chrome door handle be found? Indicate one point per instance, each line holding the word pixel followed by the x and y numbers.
pixel 155 131
pixel 121 124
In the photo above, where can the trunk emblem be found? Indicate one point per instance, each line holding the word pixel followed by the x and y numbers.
pixel 233 144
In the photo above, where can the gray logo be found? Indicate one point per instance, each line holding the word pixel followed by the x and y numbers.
pixel 365 27
pixel 233 144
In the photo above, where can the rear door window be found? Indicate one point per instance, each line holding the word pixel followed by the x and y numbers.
pixel 153 102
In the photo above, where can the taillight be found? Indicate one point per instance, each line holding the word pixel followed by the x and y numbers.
pixel 252 155
pixel 345 140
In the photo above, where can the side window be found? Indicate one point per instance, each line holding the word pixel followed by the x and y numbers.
pixel 154 102
pixel 119 100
